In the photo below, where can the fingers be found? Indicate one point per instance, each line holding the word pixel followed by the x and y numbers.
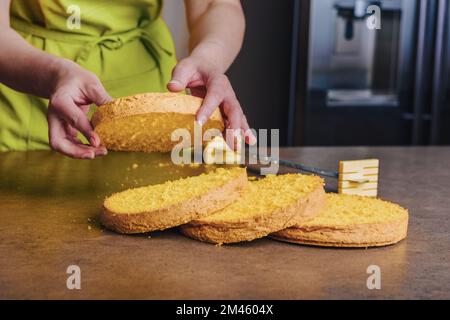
pixel 66 109
pixel 220 93
pixel 236 119
pixel 95 92
pixel 198 92
pixel 77 89
pixel 72 135
pixel 250 137
pixel 217 91
pixel 62 140
pixel 233 112
pixel 182 75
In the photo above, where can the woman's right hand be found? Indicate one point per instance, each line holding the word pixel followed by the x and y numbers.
pixel 74 91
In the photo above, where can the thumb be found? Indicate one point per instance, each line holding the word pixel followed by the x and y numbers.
pixel 181 76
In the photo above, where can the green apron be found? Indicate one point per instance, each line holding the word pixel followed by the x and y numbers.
pixel 126 43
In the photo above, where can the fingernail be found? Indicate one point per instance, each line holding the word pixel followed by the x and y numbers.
pixel 175 82
pixel 93 140
pixel 252 139
pixel 103 152
pixel 88 156
pixel 201 120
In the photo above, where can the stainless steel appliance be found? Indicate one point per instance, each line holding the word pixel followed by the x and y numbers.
pixel 368 77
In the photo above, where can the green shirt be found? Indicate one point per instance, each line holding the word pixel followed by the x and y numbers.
pixel 126 43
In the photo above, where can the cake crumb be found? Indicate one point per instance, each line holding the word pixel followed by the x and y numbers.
pixel 161 164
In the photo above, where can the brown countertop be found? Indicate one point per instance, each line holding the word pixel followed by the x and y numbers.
pixel 49 208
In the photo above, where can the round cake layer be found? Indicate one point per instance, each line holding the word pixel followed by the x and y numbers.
pixel 351 221
pixel 173 203
pixel 267 205
pixel 145 122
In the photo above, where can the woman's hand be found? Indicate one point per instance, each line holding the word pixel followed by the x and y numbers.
pixel 206 81
pixel 70 89
pixel 216 29
pixel 74 91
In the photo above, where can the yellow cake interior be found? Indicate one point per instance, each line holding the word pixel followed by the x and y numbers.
pixel 159 196
pixel 150 132
pixel 267 195
pixel 344 210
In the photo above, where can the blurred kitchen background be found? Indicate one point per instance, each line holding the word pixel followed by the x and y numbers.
pixel 313 69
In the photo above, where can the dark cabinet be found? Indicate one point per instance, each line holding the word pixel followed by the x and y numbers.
pixel 260 74
pixel 324 75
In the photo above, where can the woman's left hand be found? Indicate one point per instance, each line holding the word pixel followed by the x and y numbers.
pixel 207 82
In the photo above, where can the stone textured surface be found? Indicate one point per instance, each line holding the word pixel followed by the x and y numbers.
pixel 49 208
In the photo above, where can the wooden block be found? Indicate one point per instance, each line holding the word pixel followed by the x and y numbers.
pixel 356 185
pixel 359 177
pixel 367 193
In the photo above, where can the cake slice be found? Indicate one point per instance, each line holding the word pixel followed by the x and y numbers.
pixel 351 221
pixel 172 203
pixel 267 205
pixel 145 122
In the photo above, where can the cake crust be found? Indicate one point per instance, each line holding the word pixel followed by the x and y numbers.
pixel 356 235
pixel 177 214
pixel 151 103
